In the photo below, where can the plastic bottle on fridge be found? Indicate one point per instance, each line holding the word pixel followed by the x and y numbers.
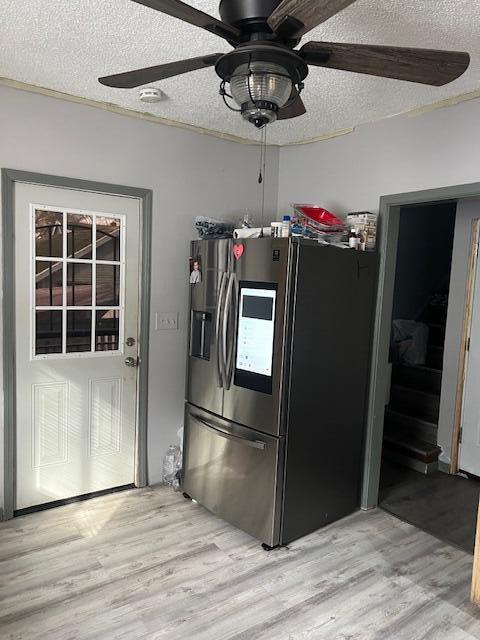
pixel 286 226
pixel 353 239
pixel 362 241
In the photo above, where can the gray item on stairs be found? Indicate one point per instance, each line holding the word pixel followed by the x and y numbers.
pixel 410 340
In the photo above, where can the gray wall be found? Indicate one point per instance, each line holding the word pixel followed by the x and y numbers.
pixel 424 256
pixel 467 210
pixel 401 154
pixel 190 174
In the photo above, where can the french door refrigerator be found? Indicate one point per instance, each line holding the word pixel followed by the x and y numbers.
pixel 279 350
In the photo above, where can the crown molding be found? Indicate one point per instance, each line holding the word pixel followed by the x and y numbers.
pixel 443 104
pixel 130 113
pixel 150 117
pixel 321 138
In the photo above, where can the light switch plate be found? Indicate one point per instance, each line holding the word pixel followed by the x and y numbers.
pixel 166 320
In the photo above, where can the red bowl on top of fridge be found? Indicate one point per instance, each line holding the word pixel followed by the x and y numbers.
pixel 320 217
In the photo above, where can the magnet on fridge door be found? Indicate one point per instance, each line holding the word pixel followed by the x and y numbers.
pixel 238 250
pixel 195 270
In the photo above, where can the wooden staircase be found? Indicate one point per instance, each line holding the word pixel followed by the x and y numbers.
pixel 411 418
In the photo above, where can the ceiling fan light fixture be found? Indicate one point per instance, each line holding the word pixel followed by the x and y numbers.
pixel 260 89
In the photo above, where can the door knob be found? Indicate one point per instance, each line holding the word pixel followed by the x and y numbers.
pixel 131 362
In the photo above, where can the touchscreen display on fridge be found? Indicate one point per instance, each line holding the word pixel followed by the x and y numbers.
pixel 256 324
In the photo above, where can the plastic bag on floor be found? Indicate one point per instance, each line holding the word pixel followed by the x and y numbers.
pixel 410 339
pixel 172 465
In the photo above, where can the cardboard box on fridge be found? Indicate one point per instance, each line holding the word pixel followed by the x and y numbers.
pixel 366 222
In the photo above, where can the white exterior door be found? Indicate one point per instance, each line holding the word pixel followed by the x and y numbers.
pixel 469 456
pixel 77 307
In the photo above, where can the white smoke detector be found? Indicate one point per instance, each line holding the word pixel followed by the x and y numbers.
pixel 151 94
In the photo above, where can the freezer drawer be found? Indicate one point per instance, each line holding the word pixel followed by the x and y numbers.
pixel 232 471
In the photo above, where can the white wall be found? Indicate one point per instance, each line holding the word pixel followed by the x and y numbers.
pixel 190 174
pixel 402 154
pixel 467 210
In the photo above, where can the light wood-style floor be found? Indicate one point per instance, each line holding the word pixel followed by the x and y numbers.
pixel 147 564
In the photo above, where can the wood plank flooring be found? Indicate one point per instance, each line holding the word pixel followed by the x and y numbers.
pixel 147 564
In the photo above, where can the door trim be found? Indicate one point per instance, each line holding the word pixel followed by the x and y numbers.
pixel 9 177
pixel 462 361
pixel 387 236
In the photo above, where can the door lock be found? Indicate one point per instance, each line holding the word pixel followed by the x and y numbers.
pixel 130 342
pixel 131 362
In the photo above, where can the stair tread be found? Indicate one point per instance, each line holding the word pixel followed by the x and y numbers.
pixel 420 367
pixel 422 392
pixel 412 447
pixel 408 417
pixel 415 444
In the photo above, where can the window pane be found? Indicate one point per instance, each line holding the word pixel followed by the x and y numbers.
pixel 107 330
pixel 108 238
pixel 79 331
pixel 79 284
pixel 48 332
pixel 108 285
pixel 79 236
pixel 48 233
pixel 48 284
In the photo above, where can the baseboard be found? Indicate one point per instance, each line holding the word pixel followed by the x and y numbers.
pixel 444 467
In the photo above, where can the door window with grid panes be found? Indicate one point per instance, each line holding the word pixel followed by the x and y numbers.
pixel 78 275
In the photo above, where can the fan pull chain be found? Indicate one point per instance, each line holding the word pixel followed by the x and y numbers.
pixel 261 175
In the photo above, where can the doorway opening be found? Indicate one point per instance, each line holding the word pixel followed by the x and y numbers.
pixel 415 483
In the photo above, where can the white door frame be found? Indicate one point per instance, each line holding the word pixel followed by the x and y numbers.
pixel 9 178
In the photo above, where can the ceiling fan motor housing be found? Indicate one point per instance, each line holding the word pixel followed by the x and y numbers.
pixel 250 15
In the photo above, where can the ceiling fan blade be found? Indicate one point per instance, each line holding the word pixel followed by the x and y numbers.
pixel 426 66
pixel 293 18
pixel 189 14
pixel 293 108
pixel 138 77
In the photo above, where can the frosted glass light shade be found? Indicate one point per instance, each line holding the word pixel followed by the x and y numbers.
pixel 261 81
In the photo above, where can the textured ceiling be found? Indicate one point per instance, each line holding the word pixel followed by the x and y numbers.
pixel 65 45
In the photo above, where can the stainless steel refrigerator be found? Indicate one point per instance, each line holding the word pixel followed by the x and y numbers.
pixel 278 364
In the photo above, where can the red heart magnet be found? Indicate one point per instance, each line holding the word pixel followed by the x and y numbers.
pixel 238 250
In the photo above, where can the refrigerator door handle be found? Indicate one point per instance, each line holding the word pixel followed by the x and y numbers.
pixel 218 329
pixel 228 341
pixel 256 444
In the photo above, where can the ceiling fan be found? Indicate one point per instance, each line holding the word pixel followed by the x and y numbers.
pixel 265 71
